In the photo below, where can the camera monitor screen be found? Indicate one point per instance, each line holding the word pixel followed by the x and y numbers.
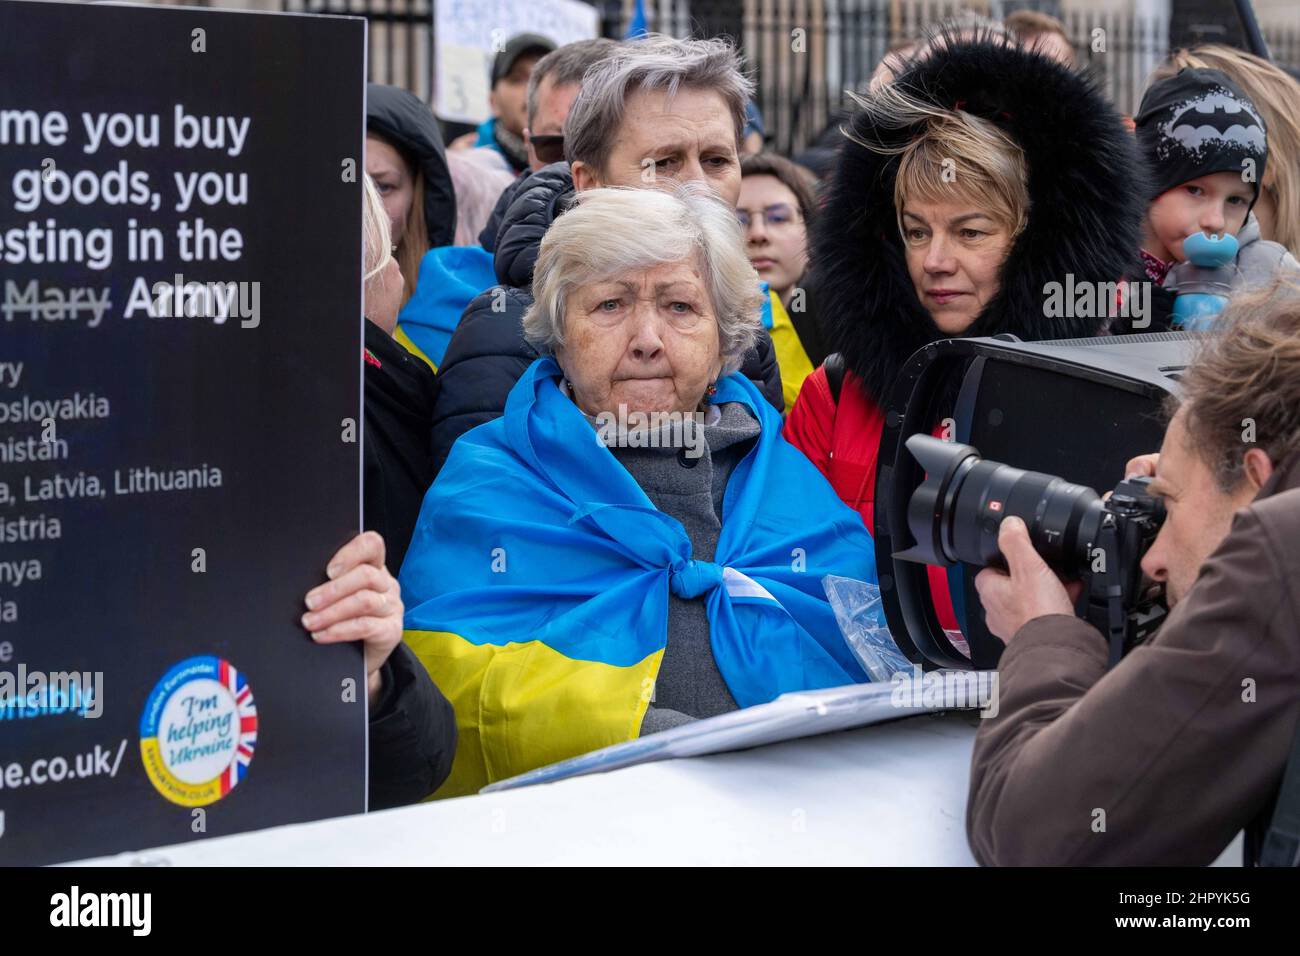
pixel 1077 409
pixel 1013 414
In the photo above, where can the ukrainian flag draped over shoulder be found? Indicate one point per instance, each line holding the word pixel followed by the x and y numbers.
pixel 538 576
pixel 791 357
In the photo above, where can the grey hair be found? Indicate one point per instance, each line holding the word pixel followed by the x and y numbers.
pixel 653 63
pixel 565 65
pixel 613 231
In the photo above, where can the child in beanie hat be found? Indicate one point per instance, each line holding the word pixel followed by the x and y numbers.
pixel 1205 146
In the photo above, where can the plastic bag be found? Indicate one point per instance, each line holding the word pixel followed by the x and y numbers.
pixel 861 618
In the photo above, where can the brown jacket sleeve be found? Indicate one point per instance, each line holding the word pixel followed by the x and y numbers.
pixel 1165 758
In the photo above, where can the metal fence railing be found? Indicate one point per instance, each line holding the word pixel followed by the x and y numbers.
pixel 400 49
pixel 805 54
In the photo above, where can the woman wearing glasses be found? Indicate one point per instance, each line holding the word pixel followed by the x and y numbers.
pixel 778 203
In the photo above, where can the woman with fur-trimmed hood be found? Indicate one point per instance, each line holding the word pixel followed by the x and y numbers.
pixel 983 173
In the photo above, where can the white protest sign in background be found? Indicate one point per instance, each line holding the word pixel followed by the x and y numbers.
pixel 471 32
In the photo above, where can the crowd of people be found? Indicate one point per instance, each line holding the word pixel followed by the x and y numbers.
pixel 625 381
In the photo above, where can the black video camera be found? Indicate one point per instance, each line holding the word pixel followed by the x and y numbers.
pixel 956 512
pixel 1079 408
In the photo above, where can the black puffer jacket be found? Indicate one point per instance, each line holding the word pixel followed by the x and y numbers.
pixel 399 117
pixel 1086 205
pixel 412 734
pixel 400 392
pixel 488 352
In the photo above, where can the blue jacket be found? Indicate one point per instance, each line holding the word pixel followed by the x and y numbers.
pixel 450 277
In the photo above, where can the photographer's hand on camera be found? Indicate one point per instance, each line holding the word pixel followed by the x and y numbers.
pixel 1143 466
pixel 1029 589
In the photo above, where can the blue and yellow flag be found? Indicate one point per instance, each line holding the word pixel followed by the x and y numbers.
pixel 450 278
pixel 791 358
pixel 537 582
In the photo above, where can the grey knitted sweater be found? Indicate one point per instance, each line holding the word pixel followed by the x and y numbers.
pixel 686 476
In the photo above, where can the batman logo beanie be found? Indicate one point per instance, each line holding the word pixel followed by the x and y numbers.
pixel 1197 123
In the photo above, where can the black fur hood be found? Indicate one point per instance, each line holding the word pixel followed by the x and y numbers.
pixel 400 117
pixel 1086 208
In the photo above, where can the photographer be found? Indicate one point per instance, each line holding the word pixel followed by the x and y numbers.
pixel 1164 758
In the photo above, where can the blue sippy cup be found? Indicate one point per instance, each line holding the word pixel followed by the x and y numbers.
pixel 1204 281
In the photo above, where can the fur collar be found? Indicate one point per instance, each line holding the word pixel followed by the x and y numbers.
pixel 1086 208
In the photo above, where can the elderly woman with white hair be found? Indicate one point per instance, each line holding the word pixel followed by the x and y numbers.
pixel 633 545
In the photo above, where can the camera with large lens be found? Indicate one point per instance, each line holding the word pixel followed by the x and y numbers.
pixel 1077 408
pixel 955 514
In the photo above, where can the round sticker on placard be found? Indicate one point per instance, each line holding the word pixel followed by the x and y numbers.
pixel 198 731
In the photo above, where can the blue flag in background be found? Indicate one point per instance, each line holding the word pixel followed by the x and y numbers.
pixel 636 28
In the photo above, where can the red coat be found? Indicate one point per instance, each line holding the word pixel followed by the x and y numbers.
pixel 844 443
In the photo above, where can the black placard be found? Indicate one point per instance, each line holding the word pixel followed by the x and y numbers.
pixel 175 471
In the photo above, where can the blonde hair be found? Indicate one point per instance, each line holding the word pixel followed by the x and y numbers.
pixel 1276 94
pixel 615 231
pixel 1031 24
pixel 376 243
pixel 954 156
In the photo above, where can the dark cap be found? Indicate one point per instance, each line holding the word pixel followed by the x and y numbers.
pixel 517 46
pixel 1197 123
